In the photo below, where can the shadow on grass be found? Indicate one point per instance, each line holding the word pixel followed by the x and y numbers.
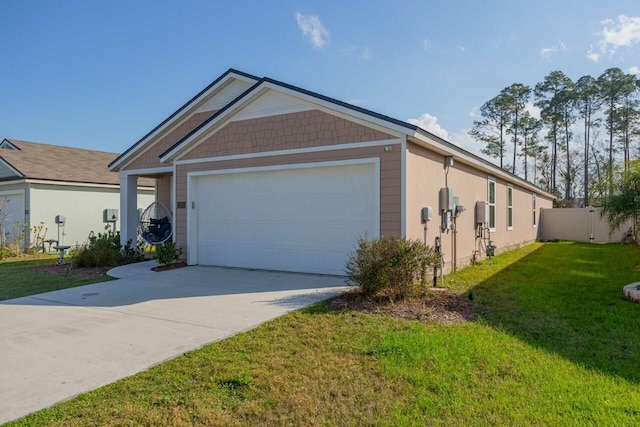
pixel 567 298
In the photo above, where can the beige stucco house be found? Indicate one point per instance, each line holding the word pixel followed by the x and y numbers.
pixel 40 183
pixel 262 174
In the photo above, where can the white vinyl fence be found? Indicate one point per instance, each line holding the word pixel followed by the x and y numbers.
pixel 579 224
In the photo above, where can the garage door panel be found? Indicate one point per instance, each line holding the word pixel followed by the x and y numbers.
pixel 301 219
pixel 326 236
pixel 261 257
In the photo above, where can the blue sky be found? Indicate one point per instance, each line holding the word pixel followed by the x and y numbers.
pixel 101 74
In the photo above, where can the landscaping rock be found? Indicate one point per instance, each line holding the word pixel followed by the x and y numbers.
pixel 632 291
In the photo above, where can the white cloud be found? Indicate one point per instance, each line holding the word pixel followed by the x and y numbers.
pixel 313 30
pixel 426 44
pixel 356 51
pixel 545 52
pixel 532 109
pixel 474 113
pixel 463 140
pixel 625 33
pixel 594 56
pixel 461 48
pixel 460 138
pixel 634 70
pixel 430 124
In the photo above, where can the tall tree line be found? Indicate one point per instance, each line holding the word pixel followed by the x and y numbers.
pixel 586 136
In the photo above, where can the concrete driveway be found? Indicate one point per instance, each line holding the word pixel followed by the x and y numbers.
pixel 56 345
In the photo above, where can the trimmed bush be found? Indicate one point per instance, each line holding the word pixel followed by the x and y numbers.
pixel 167 253
pixel 104 250
pixel 391 267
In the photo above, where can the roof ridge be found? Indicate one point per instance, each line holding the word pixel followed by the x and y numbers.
pixel 21 141
pixel 342 103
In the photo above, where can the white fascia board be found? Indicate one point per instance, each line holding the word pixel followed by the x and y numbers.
pixel 322 148
pixel 469 159
pixel 141 146
pixel 69 184
pixel 147 171
pixel 13 182
pixel 289 166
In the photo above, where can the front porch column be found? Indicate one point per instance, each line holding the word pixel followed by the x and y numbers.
pixel 128 208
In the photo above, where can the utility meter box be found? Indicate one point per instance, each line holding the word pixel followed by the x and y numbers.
pixel 447 202
pixel 482 212
pixel 426 214
pixel 60 219
pixel 110 215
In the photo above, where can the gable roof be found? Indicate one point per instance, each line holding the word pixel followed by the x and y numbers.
pixel 33 160
pixel 412 132
pixel 141 142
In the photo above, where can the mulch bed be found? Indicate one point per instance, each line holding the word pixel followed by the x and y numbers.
pixel 92 273
pixel 440 305
pixel 172 266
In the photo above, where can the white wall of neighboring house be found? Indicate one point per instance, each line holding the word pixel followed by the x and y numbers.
pixel 83 208
pixel 11 213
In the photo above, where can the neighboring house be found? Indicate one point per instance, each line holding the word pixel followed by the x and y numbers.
pixel 39 182
pixel 262 174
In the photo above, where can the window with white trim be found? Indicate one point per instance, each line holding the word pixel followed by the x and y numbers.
pixel 509 207
pixel 491 197
pixel 533 205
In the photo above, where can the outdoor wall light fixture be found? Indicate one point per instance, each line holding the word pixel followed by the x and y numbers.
pixel 388 148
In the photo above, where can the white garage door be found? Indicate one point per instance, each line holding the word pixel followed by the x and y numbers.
pixel 304 219
pixel 11 214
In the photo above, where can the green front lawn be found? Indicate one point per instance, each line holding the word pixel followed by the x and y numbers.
pixel 24 276
pixel 556 344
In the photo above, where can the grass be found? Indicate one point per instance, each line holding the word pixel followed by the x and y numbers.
pixel 555 345
pixel 19 278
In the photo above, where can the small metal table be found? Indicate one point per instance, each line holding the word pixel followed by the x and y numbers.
pixel 50 242
pixel 61 249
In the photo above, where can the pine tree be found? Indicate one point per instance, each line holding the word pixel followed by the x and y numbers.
pixel 491 129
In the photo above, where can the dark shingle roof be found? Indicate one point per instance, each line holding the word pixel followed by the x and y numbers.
pixel 34 160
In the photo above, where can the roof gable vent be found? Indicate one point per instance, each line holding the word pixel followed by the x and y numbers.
pixel 5 143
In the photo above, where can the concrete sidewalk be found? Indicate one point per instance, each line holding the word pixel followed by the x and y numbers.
pixel 56 345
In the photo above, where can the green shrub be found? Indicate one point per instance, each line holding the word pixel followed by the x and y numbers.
pixel 129 253
pixel 167 253
pixel 391 267
pixel 104 250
